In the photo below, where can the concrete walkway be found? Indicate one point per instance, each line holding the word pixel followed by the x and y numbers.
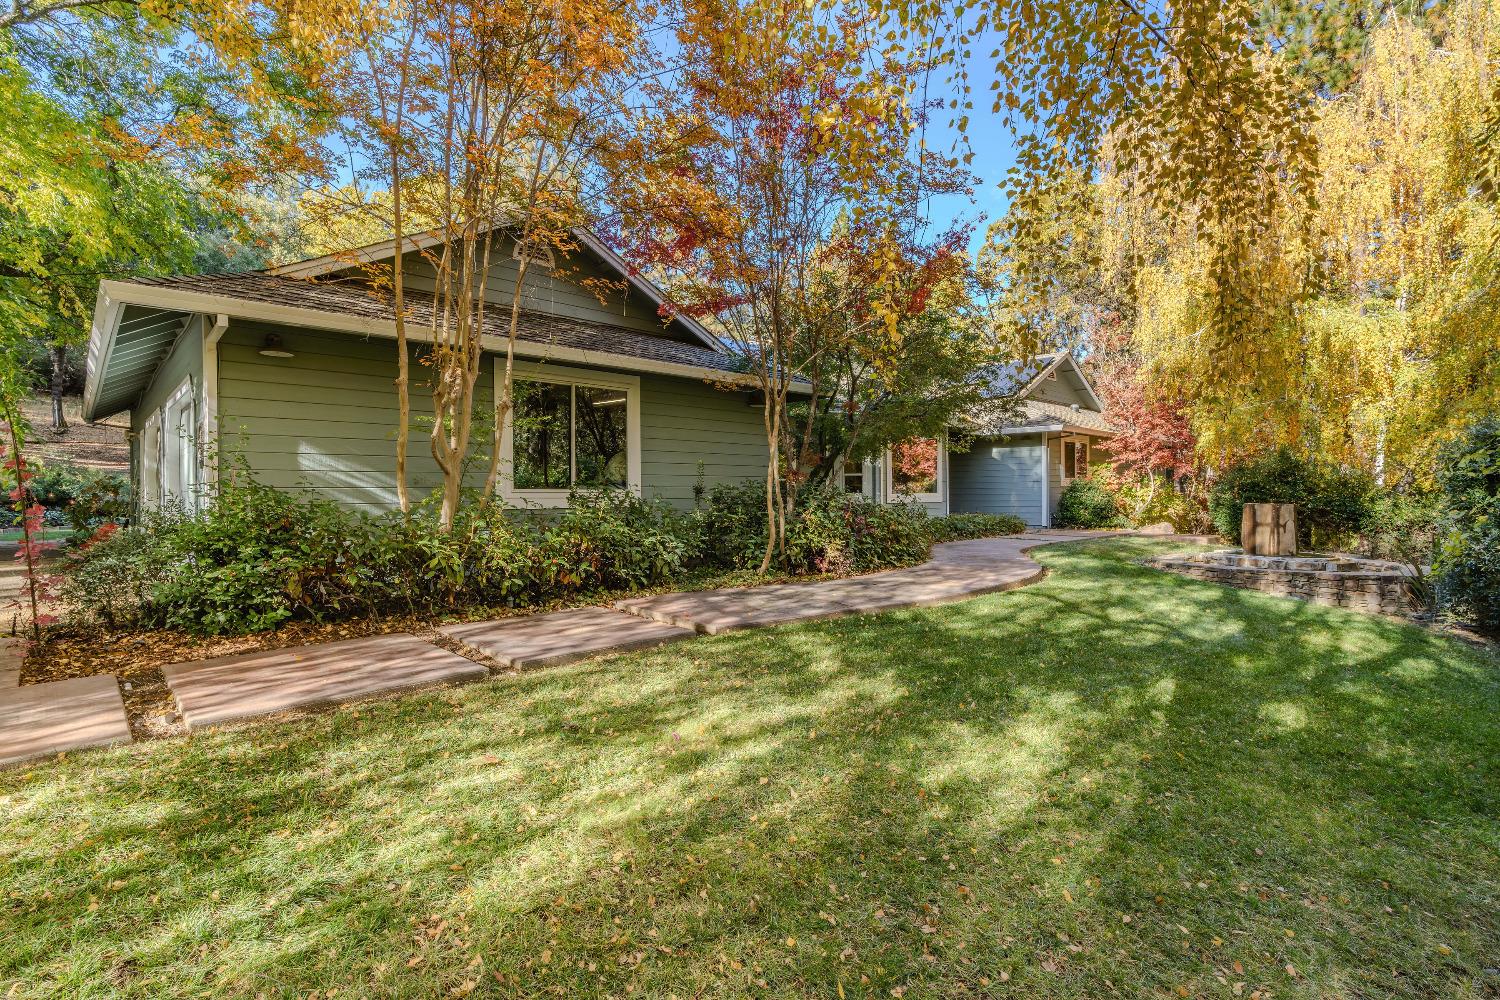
pixel 271 681
pixel 956 570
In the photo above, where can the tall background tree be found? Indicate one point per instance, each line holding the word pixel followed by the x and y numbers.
pixel 1389 344
pixel 143 139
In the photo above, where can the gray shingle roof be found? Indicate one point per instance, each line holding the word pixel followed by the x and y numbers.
pixel 362 300
pixel 1040 413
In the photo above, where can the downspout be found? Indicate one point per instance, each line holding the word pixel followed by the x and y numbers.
pixel 1046 480
pixel 208 447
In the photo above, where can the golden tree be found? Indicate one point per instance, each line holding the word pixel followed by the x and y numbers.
pixel 779 163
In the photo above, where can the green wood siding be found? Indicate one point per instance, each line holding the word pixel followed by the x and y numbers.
pixel 325 420
pixel 1000 476
pixel 685 421
pixel 1067 389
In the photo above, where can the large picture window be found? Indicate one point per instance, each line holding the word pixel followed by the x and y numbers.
pixel 916 469
pixel 571 430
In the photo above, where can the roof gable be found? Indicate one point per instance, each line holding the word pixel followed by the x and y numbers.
pixel 1062 382
pixel 593 255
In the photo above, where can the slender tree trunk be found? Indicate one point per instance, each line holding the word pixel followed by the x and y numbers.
pixel 13 418
pixel 59 353
pixel 505 401
pixel 403 383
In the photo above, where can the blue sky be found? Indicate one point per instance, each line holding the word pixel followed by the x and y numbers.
pixel 994 154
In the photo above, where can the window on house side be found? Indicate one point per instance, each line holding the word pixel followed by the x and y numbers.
pixel 914 467
pixel 569 435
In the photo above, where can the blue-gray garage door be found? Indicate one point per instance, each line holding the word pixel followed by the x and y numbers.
pixel 999 477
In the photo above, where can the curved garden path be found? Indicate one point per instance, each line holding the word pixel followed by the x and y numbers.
pixel 65 715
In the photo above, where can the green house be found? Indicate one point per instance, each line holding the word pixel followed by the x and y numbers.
pixel 290 372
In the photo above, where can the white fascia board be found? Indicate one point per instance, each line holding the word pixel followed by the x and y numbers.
pixel 1057 362
pixel 200 302
pixel 102 332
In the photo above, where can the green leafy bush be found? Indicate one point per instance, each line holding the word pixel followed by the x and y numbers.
pixel 258 556
pixel 75 496
pixel 831 531
pixel 1088 503
pixel 616 539
pixel 1151 500
pixel 110 583
pixel 1333 504
pixel 1468 562
pixel 955 527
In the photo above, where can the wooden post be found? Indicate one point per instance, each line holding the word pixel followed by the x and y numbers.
pixel 1269 529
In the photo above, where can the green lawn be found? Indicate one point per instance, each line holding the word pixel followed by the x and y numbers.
pixel 1115 782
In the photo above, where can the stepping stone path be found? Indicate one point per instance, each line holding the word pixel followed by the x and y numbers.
pixel 246 684
pixel 562 636
pixel 61 715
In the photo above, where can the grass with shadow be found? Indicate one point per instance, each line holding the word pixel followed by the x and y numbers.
pixel 1114 782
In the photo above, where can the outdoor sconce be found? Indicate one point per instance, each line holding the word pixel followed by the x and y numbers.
pixel 272 348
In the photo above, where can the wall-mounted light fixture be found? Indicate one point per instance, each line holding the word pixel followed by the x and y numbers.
pixel 272 348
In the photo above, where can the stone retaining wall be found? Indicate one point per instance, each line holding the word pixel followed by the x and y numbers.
pixel 1377 593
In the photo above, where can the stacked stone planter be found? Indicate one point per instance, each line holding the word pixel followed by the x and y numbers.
pixel 1338 581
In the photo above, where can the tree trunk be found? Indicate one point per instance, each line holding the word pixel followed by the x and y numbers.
pixel 59 353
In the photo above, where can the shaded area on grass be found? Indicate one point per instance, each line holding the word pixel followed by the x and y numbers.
pixel 1113 780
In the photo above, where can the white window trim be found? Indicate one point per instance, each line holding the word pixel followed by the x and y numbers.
pixel 1062 456
pixel 942 477
pixel 180 397
pixel 150 446
pixel 557 499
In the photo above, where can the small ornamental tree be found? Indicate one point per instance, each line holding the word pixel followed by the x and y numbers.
pixel 781 164
pixel 480 121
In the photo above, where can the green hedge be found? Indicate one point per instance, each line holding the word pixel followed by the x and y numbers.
pixel 258 556
pixel 955 527
pixel 1088 503
pixel 1468 563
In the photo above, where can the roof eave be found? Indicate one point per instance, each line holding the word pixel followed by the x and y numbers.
pixel 102 332
pixel 122 293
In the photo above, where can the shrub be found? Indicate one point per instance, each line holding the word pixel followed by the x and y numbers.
pixel 831 531
pixel 1147 500
pixel 258 556
pixel 729 525
pixel 111 583
pixel 1088 503
pixel 75 496
pixel 1468 561
pixel 1333 504
pixel 955 527
pixel 616 539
